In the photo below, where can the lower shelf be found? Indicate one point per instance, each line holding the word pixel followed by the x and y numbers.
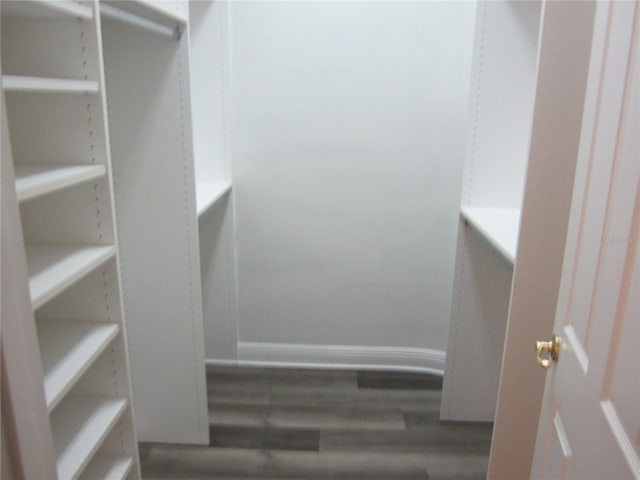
pixel 80 424
pixel 54 267
pixel 68 348
pixel 35 180
pixel 108 467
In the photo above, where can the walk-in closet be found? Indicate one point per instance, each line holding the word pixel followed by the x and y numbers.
pixel 191 187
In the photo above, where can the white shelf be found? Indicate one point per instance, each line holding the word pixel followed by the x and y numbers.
pixel 80 424
pixel 499 226
pixel 68 348
pixel 17 83
pixel 34 180
pixel 208 194
pixel 46 8
pixel 164 8
pixel 108 467
pixel 54 267
pixel 159 11
pixel 143 15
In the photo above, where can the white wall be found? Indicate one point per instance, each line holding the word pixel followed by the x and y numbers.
pixel 348 143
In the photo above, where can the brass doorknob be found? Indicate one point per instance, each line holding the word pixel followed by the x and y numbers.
pixel 551 348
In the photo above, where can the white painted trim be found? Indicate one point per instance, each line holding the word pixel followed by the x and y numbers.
pixel 336 357
pixel 220 362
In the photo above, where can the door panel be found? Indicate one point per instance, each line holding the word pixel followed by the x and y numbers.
pixel 624 394
pixel 560 450
pixel 589 427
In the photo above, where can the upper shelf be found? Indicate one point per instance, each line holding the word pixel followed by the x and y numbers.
pixel 46 8
pixel 499 226
pixel 35 180
pixel 53 268
pixel 171 9
pixel 152 16
pixel 208 194
pixel 18 83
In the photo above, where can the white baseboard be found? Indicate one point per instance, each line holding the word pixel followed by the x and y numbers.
pixel 337 357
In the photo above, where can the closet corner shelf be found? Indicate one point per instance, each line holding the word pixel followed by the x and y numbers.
pixel 68 348
pixel 499 226
pixel 208 194
pixel 18 83
pixel 107 466
pixel 47 8
pixel 34 180
pixel 54 267
pixel 80 425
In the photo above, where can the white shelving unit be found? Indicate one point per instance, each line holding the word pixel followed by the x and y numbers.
pixel 209 64
pixel 498 134
pixel 210 85
pixel 208 29
pixel 53 88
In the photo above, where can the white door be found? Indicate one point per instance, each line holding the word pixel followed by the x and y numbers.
pixel 590 420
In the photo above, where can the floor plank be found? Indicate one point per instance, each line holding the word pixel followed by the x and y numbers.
pixel 264 438
pixel 399 380
pixel 268 423
pixel 436 439
pixel 419 401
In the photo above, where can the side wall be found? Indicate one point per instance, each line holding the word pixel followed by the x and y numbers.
pixel 348 143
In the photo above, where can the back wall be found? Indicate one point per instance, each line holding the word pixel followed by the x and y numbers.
pixel 348 144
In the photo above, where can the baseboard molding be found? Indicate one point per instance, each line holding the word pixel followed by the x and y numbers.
pixel 336 357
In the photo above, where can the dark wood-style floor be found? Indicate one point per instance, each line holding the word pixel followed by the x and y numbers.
pixel 319 424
